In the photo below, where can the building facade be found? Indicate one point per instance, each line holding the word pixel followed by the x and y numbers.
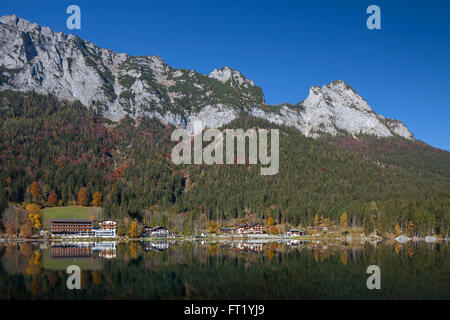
pixel 66 227
pixel 108 225
pixel 252 228
pixel 156 232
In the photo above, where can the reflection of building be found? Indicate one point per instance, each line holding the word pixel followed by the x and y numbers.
pixel 295 232
pixel 255 247
pixel 295 243
pixel 156 232
pixel 79 228
pixel 71 251
pixel 157 245
pixel 106 250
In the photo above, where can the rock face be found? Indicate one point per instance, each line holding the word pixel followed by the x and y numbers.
pixel 37 58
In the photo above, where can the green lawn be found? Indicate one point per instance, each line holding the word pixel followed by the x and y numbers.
pixel 72 212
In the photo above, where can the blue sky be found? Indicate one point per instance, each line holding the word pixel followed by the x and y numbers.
pixel 286 47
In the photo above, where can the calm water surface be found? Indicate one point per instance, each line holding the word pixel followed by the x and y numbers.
pixel 226 270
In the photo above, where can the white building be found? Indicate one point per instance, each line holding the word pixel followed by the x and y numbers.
pixel 104 233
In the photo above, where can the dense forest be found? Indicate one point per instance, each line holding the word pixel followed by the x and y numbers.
pixel 63 148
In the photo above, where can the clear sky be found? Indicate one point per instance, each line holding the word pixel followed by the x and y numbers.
pixel 286 47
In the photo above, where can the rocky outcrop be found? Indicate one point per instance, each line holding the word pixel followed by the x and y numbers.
pixel 116 84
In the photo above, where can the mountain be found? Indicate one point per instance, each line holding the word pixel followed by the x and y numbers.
pixel 75 116
pixel 37 58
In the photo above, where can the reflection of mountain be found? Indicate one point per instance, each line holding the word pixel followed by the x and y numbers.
pixel 157 245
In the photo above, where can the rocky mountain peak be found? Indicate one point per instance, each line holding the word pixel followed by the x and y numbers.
pixel 34 58
pixel 236 79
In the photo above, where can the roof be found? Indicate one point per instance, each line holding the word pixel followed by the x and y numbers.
pixel 248 225
pixel 156 228
pixel 71 221
pixel 254 224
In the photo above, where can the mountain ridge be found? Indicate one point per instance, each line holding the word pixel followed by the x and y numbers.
pixel 35 58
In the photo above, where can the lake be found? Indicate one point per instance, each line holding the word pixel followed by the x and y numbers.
pixel 225 270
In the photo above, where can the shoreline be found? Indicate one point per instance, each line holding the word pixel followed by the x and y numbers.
pixel 267 238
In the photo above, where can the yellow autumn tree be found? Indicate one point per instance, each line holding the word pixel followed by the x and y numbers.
pixel 133 231
pixel 344 220
pixel 270 221
pixel 97 199
pixel 83 197
pixel 316 220
pixel 397 230
pixel 35 215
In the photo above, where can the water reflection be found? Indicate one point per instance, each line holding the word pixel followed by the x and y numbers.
pixel 232 269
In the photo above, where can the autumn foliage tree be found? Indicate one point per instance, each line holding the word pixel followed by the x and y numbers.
pixel 35 191
pixel 212 226
pixel 344 220
pixel 97 199
pixel 12 219
pixel 26 229
pixel 270 221
pixel 53 198
pixel 273 230
pixel 35 215
pixel 83 197
pixel 133 231
pixel 316 220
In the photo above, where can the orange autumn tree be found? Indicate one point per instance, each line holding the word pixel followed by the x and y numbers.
pixel 83 197
pixel 35 190
pixel 97 199
pixel 35 215
pixel 212 226
pixel 273 230
pixel 270 221
pixel 53 198
pixel 26 229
